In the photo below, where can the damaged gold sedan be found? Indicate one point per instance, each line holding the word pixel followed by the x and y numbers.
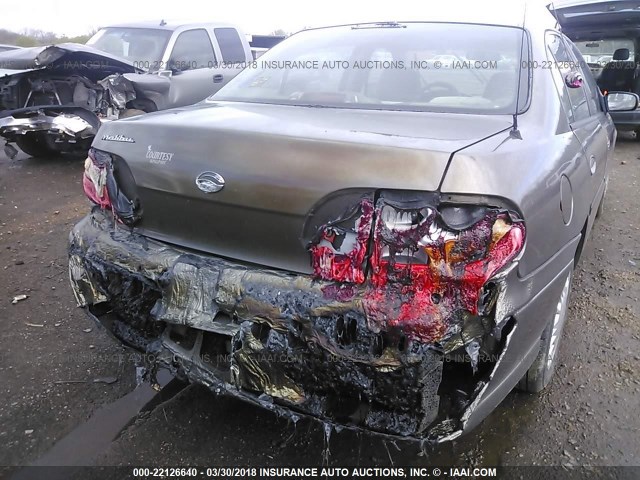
pixel 381 245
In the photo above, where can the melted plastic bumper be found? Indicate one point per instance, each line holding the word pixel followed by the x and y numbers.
pixel 278 339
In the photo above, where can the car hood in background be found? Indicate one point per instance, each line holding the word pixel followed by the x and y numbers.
pixel 25 59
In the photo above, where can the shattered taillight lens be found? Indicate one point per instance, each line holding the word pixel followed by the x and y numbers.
pixel 437 268
pixel 340 252
pixel 101 186
pixel 94 181
pixel 406 240
pixel 429 263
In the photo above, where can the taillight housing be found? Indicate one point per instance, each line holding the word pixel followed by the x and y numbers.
pixel 101 187
pixel 425 263
pixel 464 243
pixel 94 181
pixel 340 250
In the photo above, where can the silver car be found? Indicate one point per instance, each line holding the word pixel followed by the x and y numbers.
pixel 370 241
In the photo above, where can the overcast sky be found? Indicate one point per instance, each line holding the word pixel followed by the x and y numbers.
pixel 73 17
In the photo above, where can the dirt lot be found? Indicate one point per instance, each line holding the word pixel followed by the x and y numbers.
pixel 588 416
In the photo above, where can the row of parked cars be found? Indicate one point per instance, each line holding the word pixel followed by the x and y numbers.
pixel 388 248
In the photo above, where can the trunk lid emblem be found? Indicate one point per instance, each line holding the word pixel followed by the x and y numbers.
pixel 210 182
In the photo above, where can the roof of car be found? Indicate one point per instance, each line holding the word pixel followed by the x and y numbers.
pixel 169 25
pixel 511 13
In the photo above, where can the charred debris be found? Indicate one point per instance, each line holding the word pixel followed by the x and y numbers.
pixel 61 94
pixel 397 331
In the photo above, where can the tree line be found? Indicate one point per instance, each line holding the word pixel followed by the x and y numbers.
pixel 34 38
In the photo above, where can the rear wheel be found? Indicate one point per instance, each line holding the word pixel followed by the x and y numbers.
pixel 35 144
pixel 541 371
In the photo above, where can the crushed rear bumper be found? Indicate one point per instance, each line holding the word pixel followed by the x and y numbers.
pixel 277 340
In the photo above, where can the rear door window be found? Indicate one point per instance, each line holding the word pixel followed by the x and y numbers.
pixel 193 50
pixel 565 63
pixel 591 88
pixel 230 45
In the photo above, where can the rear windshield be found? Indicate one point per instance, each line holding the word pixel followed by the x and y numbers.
pixel 415 66
pixel 601 51
pixel 141 46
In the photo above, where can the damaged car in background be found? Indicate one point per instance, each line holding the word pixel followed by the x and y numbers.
pixel 54 99
pixel 372 242
pixel 4 48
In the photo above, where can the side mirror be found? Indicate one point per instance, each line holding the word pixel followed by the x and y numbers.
pixel 165 73
pixel 622 101
pixel 573 80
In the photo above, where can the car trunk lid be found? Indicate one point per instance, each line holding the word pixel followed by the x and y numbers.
pixel 594 18
pixel 277 164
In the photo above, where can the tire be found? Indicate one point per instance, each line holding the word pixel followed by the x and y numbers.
pixel 543 367
pixel 35 145
pixel 131 112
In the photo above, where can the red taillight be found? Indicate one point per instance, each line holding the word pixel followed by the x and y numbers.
pixel 340 253
pixel 102 188
pixel 427 267
pixel 94 180
pixel 430 251
pixel 437 273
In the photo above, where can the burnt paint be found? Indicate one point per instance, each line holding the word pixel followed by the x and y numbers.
pixel 295 351
pixel 423 300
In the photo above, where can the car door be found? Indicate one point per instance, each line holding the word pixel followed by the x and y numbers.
pixel 194 66
pixel 586 123
pixel 605 135
pixel 235 54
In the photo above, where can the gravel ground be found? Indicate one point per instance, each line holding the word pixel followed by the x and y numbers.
pixel 589 415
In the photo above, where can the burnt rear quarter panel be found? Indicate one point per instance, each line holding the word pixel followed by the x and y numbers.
pixel 528 172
